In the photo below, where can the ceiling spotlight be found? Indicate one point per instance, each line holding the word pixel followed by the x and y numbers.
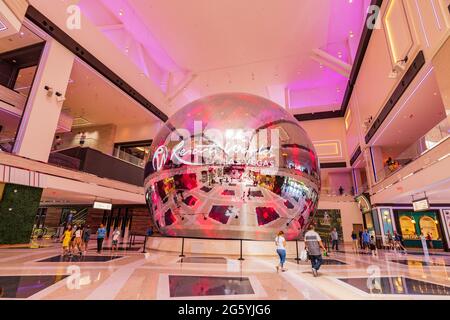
pixel 120 12
pixel 352 34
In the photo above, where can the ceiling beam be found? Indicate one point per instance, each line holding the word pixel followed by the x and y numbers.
pixel 190 78
pixel 111 27
pixel 332 62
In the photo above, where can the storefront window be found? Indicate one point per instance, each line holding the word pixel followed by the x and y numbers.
pixel 369 221
pixel 408 228
pixel 428 226
pixel 387 221
pixel 413 224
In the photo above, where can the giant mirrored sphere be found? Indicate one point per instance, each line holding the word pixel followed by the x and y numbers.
pixel 232 166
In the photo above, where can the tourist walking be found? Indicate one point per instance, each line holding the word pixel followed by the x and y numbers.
pixel 314 244
pixel 115 239
pixel 366 240
pixel 101 233
pixel 360 239
pixel 78 242
pixel 398 242
pixel 334 240
pixel 373 246
pixel 86 237
pixel 280 243
pixel 67 236
pixel 355 241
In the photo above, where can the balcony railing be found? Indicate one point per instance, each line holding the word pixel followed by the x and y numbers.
pixel 129 158
pixel 430 140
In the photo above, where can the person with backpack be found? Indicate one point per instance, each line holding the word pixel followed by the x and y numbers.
pixel 314 244
pixel 280 243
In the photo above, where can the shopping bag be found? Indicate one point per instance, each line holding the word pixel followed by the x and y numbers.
pixel 304 255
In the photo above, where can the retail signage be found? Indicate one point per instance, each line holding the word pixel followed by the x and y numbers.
pixel 232 147
pixel 102 205
pixel 421 205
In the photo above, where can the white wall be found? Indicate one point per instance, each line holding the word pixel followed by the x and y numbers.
pixel 350 214
pixel 137 132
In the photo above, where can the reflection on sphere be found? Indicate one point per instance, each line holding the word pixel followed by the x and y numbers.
pixel 232 166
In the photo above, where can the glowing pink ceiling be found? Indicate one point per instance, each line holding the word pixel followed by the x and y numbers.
pixel 201 47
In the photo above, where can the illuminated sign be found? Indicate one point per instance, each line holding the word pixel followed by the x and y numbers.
pixel 214 154
pixel 421 205
pixel 102 205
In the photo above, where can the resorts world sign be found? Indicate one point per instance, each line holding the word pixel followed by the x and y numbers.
pixel 214 147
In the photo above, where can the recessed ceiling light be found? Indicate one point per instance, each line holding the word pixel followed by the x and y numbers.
pixel 120 12
pixel 352 34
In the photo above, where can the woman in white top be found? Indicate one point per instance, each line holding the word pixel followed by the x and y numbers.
pixel 280 242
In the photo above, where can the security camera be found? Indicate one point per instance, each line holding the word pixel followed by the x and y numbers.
pixel 398 68
pixel 61 99
pixel 49 91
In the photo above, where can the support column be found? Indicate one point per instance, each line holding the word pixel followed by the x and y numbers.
pixel 42 112
pixel 357 180
pixel 442 70
pixel 376 163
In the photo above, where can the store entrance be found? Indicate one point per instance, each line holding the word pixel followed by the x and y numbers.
pixel 412 224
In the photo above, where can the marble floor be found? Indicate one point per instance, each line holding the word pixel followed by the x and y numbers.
pixel 131 274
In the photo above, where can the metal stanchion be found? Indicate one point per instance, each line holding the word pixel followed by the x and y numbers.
pixel 182 249
pixel 241 258
pixel 145 244
pixel 296 248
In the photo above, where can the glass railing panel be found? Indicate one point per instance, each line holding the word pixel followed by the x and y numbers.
pixel 430 140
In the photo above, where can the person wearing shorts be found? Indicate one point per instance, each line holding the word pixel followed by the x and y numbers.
pixel 115 239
